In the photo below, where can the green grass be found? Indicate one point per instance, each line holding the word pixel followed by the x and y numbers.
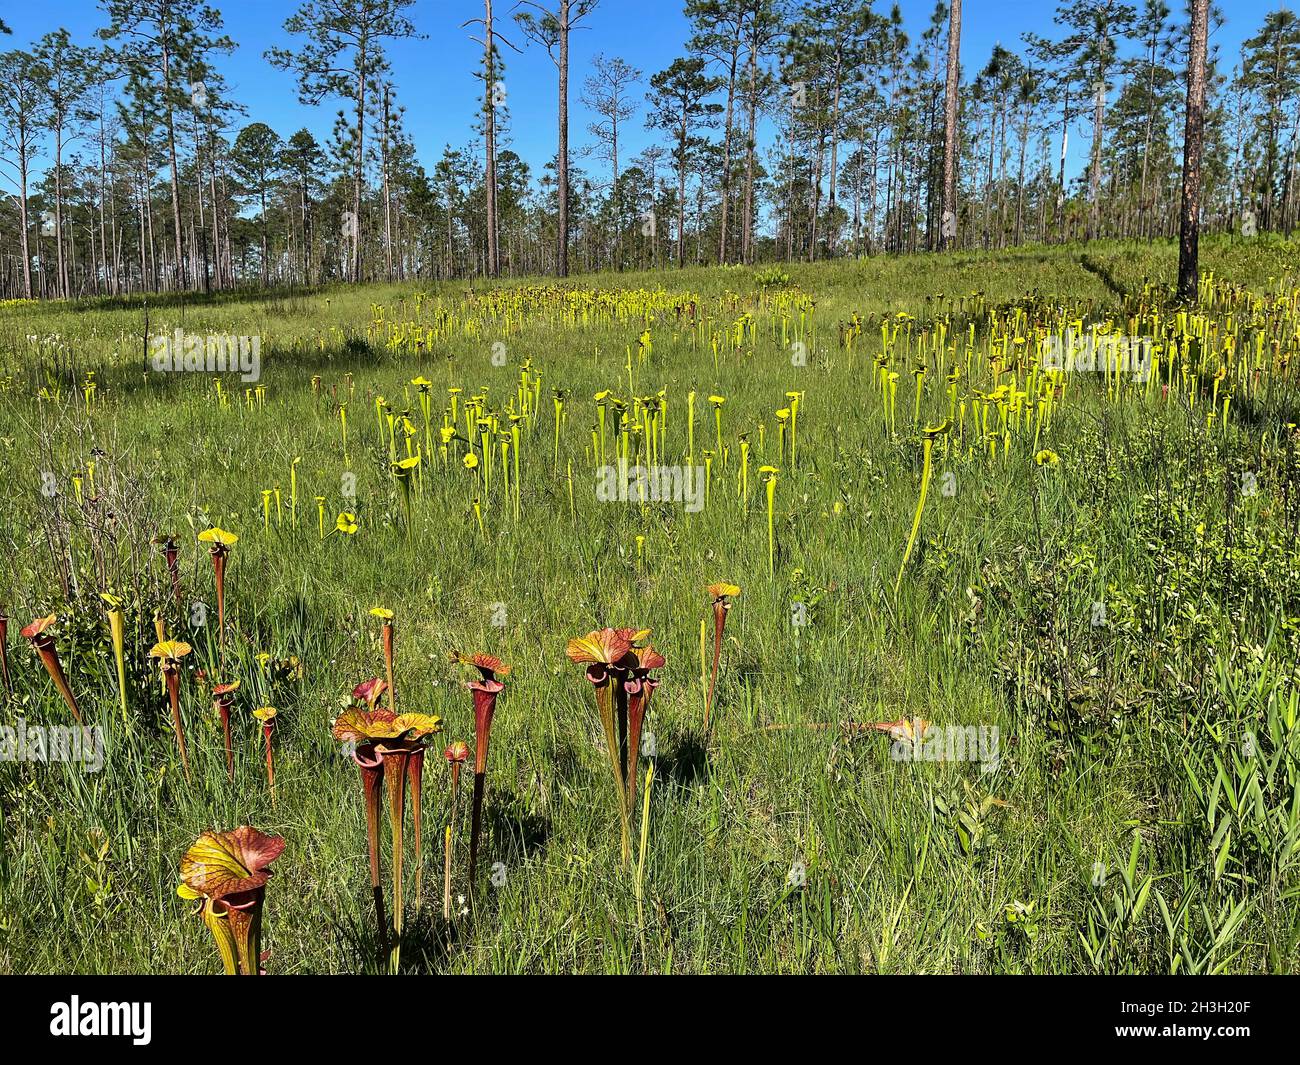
pixel 1109 733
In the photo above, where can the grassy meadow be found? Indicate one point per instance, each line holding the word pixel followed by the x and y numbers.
pixel 1105 570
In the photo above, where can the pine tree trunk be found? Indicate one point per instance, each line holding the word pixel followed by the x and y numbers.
pixel 1189 219
pixel 490 138
pixel 726 158
pixel 948 219
pixel 562 154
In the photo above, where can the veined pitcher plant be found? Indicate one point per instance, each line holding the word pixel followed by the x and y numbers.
pixel 485 691
pixel 223 698
pixel 219 542
pixel 266 715
pixel 227 872
pixel 607 654
pixel 171 555
pixel 389 638
pixel 42 641
pixel 722 595
pixel 382 746
pixel 640 687
pixel 456 754
pixel 168 654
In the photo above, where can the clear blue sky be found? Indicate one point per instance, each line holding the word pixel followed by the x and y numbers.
pixel 434 76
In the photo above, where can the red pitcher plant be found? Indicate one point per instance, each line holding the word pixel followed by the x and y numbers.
pixel 383 746
pixel 227 872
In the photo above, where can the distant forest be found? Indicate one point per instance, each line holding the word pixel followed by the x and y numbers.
pixel 786 129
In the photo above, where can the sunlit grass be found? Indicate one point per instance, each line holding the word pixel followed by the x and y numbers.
pixel 805 848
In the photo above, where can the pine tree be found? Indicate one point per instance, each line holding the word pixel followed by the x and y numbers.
pixel 342 56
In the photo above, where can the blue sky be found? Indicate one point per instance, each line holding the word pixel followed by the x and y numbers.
pixel 434 76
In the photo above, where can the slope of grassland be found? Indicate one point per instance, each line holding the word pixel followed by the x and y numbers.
pixel 1104 571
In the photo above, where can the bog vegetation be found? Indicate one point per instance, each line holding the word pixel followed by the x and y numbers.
pixel 979 655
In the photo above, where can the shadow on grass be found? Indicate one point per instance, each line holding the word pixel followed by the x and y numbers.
pixel 363 949
pixel 188 299
pixel 135 376
pixel 427 940
pixel 687 763
pixel 515 832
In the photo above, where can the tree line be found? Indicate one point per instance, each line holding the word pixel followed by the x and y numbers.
pixel 786 129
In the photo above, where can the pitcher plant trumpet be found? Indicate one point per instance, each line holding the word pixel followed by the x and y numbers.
pixel 42 641
pixel 171 554
pixel 228 872
pixel 605 653
pixel 223 698
pixel 456 755
pixel 383 744
pixel 117 634
pixel 220 542
pixel 722 594
pixel 485 691
pixel 640 687
pixel 386 620
pixel 929 435
pixel 168 654
pixel 266 715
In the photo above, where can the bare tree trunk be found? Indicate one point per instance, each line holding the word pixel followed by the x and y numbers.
pixel 1060 181
pixel 1143 214
pixel 726 156
pixel 948 218
pixel 1288 188
pixel 789 192
pixel 143 193
pixel 681 194
pixel 1020 179
pixel 1002 179
pixel 111 285
pixel 202 254
pixel 1094 170
pixel 831 226
pixel 216 213
pixel 815 176
pixel 171 163
pixel 58 210
pixel 359 173
pixel 90 264
pixel 1190 216
pixel 873 188
pixel 562 154
pixel 617 197
pixel 490 138
pixel 751 146
pixel 22 216
pixel 388 195
pixel 988 184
